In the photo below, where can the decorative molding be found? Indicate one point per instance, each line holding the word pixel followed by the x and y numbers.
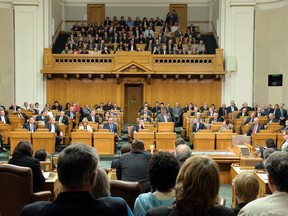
pixel 26 3
pixel 242 4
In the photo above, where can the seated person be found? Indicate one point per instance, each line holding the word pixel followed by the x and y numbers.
pixel 255 127
pixel 30 125
pixel 124 149
pixel 163 116
pixel 225 126
pixel 112 128
pixel 215 118
pixel 182 153
pixel 267 152
pixel 198 181
pixel 242 113
pixel 106 117
pixel 162 172
pixel 271 118
pixel 246 188
pixel 41 155
pixel 140 126
pixel 145 111
pixel 146 118
pixel 250 119
pixel 62 119
pixel 54 128
pixel 197 126
pixel 21 115
pixel 22 156
pixel 85 125
pixel 43 117
pixel 56 106
pixel 92 117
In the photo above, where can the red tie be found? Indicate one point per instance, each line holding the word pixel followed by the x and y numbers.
pixel 255 129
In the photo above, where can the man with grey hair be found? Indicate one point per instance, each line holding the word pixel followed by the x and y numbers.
pixel 267 152
pixel 77 170
pixel 276 204
pixel 182 152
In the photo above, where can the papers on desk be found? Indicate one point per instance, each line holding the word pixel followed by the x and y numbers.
pixel 46 174
pixel 264 176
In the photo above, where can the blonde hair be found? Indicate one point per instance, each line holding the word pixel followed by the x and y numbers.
pixel 197 185
pixel 246 186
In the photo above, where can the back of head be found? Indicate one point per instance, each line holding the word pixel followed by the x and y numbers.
pixel 276 166
pixel 270 143
pixel 179 141
pixel 182 152
pixel 76 165
pixel 102 187
pixel 246 186
pixel 125 148
pixel 41 155
pixel 163 170
pixel 23 148
pixel 267 152
pixel 197 185
pixel 137 145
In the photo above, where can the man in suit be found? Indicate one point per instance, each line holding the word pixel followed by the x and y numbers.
pixel 140 126
pixel 92 117
pixel 112 128
pixel 245 105
pixel 259 112
pixel 283 114
pixel 31 125
pixel 62 119
pixel 250 119
pixel 163 116
pixel 14 107
pixel 116 107
pixel 56 106
pixel 285 127
pixel 2 149
pixel 197 125
pixel 215 118
pixel 255 127
pixel 145 111
pixel 242 113
pixel 268 110
pixel 132 46
pixel 77 171
pixel 32 109
pixel 71 114
pixel 53 127
pixel 177 114
pixel 134 165
pixel 146 118
pixel 43 117
pixel 3 117
pixel 21 115
pixel 222 111
pixel 272 119
pixel 232 107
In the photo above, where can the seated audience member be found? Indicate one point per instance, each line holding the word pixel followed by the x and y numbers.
pixel 41 155
pixel 62 119
pixel 196 190
pixel 232 107
pixel 197 125
pixel 14 107
pixel 85 125
pixel 25 106
pixel 250 119
pixel 177 114
pixel 124 149
pixel 146 118
pixel 4 117
pixel 145 111
pixel 182 153
pixel 32 109
pixel 285 127
pixel 112 128
pixel 106 116
pixel 102 188
pixel 270 143
pixel 255 127
pixel 276 167
pixel 134 165
pixel 162 173
pixel 30 125
pixel 92 117
pixel 71 114
pixel 242 113
pixel 215 118
pixel 140 126
pixel 225 126
pixel 267 152
pixel 43 117
pixel 284 146
pixel 179 141
pixel 56 106
pixel 246 188
pixel 54 128
pixel 77 170
pixel 21 115
pixel 86 111
pixel 163 116
pixel 22 156
pixel 2 149
pixel 272 119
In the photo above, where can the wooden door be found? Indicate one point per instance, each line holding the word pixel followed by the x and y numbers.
pixel 181 10
pixel 95 13
pixel 133 102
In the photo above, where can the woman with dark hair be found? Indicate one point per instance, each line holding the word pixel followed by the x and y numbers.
pixel 197 188
pixel 162 172
pixel 22 156
pixel 106 116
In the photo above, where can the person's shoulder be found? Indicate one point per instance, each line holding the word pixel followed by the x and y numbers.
pixel 113 206
pixel 221 210
pixel 163 211
pixel 35 208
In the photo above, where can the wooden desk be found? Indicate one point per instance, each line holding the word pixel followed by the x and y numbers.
pixel 52 184
pixel 147 137
pixel 204 141
pixel 16 137
pixel 260 138
pixel 165 140
pixel 215 126
pixel 63 129
pixel 44 140
pixel 82 137
pixel 274 127
pixel 16 122
pixel 4 130
pixel 104 142
pixel 280 140
pixel 263 184
pixel 224 159
pixel 165 127
pixel 224 140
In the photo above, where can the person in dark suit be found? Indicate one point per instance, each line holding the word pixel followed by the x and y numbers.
pixel 124 149
pixel 56 106
pixel 245 105
pixel 134 165
pixel 138 126
pixel 222 111
pixel 267 152
pixel 197 125
pixel 203 173
pixel 132 46
pixel 112 128
pixel 21 115
pixel 250 119
pixel 62 119
pixel 77 172
pixel 14 107
pixel 43 117
pixel 276 111
pixel 30 125
pixel 146 118
pixel 255 127
pixel 2 149
pixel 145 111
pixel 268 110
pixel 92 117
pixel 163 116
pixel 116 107
pixel 283 114
pixel 71 114
pixel 53 127
pixel 246 189
pixel 285 127
pixel 232 107
pixel 215 118
pixel 272 118
pixel 3 117
pixel 22 156
pixel 242 113
pixel 259 112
